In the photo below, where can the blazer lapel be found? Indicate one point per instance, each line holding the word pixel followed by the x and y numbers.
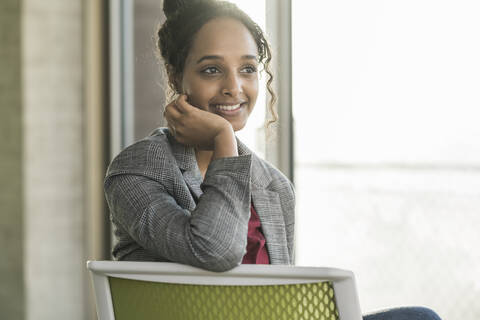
pixel 187 163
pixel 194 179
pixel 268 207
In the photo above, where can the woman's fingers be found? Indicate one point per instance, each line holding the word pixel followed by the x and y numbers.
pixel 176 114
pixel 171 111
pixel 172 115
pixel 182 104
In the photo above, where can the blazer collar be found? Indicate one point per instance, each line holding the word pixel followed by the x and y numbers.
pixel 186 161
pixel 184 155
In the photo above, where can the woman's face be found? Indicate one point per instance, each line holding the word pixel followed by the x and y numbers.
pixel 220 74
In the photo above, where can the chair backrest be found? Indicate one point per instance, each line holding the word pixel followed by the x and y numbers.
pixel 159 290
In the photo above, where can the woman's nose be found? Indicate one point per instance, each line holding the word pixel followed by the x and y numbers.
pixel 231 86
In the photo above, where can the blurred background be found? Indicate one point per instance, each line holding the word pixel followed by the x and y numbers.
pixel 379 109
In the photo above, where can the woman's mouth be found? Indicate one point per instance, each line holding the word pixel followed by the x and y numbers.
pixel 228 110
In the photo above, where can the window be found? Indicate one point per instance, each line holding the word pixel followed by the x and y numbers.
pixel 386 107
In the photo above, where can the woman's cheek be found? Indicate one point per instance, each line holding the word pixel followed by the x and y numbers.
pixel 194 101
pixel 201 97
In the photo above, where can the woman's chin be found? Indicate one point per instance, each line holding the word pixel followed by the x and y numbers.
pixel 238 121
pixel 237 125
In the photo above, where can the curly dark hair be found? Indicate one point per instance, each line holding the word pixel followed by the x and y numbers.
pixel 186 17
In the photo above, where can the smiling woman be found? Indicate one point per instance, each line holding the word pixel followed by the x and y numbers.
pixel 193 193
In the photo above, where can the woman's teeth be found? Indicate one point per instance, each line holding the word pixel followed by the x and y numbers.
pixel 227 108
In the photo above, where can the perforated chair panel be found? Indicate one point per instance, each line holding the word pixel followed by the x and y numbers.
pixel 133 299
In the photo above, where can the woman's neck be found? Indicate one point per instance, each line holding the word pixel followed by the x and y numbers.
pixel 204 157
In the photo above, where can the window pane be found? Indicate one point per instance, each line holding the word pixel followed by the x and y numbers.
pixel 386 105
pixel 388 80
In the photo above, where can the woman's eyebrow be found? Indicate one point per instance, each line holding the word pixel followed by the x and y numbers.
pixel 209 58
pixel 214 57
pixel 249 57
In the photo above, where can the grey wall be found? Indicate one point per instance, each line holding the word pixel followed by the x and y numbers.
pixel 52 34
pixel 149 76
pixel 12 296
pixel 43 216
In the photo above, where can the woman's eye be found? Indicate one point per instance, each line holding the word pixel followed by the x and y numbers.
pixel 210 70
pixel 249 69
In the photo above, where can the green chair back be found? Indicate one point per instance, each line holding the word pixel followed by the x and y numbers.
pixel 145 300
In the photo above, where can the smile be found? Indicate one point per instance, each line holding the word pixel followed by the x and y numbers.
pixel 228 108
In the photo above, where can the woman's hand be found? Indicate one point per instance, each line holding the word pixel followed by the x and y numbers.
pixel 201 129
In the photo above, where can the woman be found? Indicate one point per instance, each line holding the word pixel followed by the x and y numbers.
pixel 193 193
pixel 189 193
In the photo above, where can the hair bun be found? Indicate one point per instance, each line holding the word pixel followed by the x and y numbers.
pixel 171 7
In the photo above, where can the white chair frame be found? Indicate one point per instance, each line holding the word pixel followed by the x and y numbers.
pixel 343 281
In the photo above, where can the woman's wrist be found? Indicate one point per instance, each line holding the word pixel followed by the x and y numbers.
pixel 225 143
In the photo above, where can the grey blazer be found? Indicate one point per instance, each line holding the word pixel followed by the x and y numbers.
pixel 163 210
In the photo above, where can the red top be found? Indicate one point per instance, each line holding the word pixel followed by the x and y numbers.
pixel 256 244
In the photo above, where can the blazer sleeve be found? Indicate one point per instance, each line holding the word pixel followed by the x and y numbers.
pixel 212 236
